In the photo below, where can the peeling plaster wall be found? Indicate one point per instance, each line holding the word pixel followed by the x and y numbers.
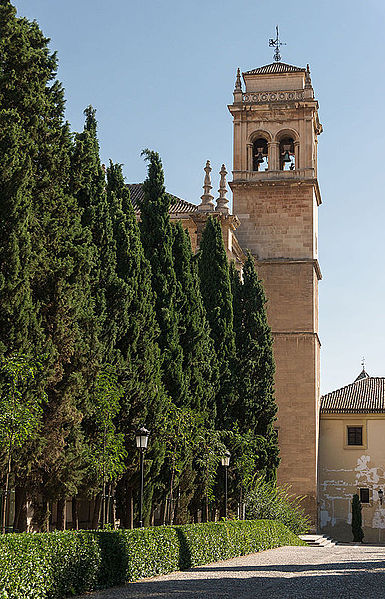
pixel 344 470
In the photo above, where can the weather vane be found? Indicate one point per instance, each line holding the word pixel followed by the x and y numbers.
pixel 276 44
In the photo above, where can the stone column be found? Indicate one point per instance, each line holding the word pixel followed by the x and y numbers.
pixel 273 151
pixel 249 157
pixel 296 155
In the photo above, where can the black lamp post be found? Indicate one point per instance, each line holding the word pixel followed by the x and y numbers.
pixel 225 464
pixel 380 495
pixel 141 443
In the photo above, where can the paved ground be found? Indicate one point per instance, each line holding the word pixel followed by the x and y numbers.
pixel 341 572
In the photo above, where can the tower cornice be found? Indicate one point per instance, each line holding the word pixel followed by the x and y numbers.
pixel 247 179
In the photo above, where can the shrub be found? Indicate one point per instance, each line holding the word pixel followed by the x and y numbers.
pixel 61 564
pixel 272 502
pixel 54 565
pixel 358 533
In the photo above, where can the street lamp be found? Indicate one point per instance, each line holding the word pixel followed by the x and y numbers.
pixel 380 495
pixel 225 463
pixel 141 443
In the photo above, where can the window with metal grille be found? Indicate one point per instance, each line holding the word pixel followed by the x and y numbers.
pixel 364 495
pixel 354 435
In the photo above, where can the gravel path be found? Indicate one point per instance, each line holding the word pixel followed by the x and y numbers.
pixel 340 572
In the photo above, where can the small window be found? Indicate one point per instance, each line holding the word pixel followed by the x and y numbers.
pixel 364 495
pixel 354 435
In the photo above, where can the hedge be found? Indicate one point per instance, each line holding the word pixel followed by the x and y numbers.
pixel 62 564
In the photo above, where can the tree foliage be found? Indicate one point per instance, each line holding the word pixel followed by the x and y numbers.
pixel 217 298
pixel 358 533
pixel 187 344
pixel 157 240
pixel 20 412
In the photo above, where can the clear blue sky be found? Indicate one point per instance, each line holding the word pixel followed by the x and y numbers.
pixel 160 74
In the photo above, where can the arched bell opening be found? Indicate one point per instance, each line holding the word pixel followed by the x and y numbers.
pixel 260 155
pixel 286 154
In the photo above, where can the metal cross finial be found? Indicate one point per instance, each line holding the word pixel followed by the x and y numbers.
pixel 363 363
pixel 276 43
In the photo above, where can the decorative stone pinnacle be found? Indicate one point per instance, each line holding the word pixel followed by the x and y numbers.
pixel 238 84
pixel 307 77
pixel 222 201
pixel 238 88
pixel 207 204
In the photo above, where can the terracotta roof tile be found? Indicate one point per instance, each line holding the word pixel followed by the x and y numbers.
pixel 365 395
pixel 177 204
pixel 275 67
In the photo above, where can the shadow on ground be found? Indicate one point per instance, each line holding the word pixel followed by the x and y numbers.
pixel 339 580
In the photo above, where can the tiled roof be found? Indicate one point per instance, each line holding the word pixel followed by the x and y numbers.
pixel 275 67
pixel 365 395
pixel 177 204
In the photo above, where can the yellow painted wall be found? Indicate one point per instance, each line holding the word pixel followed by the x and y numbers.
pixel 344 469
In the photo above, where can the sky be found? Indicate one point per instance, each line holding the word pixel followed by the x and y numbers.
pixel 161 73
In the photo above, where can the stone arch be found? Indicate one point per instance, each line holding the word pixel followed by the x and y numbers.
pixel 286 133
pixel 260 133
pixel 258 150
pixel 287 141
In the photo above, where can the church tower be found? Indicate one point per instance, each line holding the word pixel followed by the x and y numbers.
pixel 276 198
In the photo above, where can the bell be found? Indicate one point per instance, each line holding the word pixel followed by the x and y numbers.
pixel 259 158
pixel 286 156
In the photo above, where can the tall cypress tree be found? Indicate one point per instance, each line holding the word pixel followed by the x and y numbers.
pixel 20 97
pixel 88 184
pixel 199 367
pixel 157 240
pixel 217 298
pixel 255 408
pixel 199 359
pixel 137 351
pixel 47 240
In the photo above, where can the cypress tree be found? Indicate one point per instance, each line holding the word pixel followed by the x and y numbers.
pixel 255 407
pixel 18 128
pixel 50 245
pixel 88 184
pixel 199 359
pixel 358 533
pixel 157 240
pixel 110 295
pixel 217 298
pixel 199 367
pixel 137 351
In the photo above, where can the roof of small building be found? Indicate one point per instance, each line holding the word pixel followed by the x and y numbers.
pixel 177 204
pixel 275 67
pixel 365 395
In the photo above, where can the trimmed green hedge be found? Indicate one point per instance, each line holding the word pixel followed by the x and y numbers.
pixel 61 564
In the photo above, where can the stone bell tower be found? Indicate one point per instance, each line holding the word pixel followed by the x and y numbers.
pixel 276 198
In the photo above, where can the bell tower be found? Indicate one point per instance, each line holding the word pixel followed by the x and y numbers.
pixel 276 198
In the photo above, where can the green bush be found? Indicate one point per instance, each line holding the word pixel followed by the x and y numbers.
pixel 47 565
pixel 272 502
pixel 358 533
pixel 62 564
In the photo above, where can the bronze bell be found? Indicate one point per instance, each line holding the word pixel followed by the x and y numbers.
pixel 259 158
pixel 286 156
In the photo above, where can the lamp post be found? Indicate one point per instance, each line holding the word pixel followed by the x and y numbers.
pixel 141 443
pixel 225 463
pixel 380 495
